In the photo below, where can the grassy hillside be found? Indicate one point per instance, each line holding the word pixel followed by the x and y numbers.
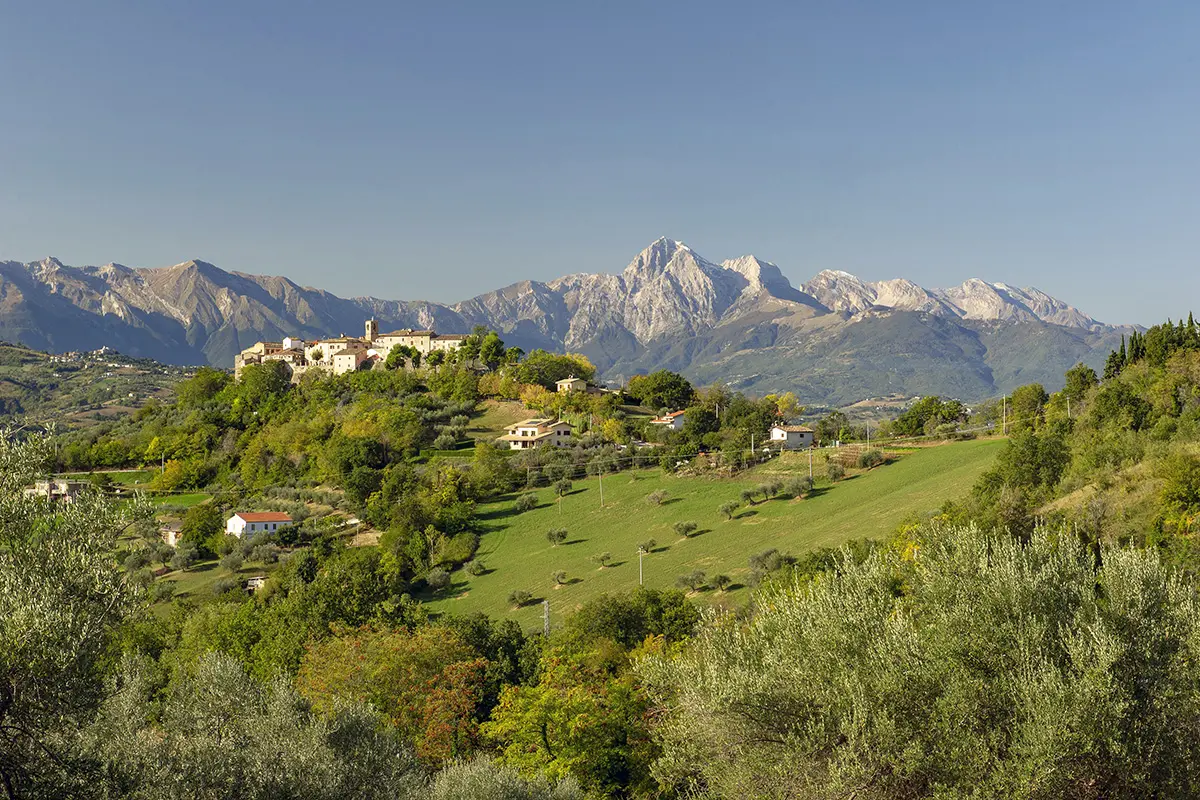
pixel 518 556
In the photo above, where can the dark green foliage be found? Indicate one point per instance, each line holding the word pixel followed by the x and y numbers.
pixel 556 536
pixel 628 619
pixel 926 414
pixel 661 389
pixel 526 502
pixel 868 459
pixel 519 597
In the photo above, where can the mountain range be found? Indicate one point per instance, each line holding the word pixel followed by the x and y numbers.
pixel 834 339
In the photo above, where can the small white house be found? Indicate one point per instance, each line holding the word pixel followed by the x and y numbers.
pixel 792 437
pixel 571 384
pixel 673 421
pixel 255 583
pixel 256 522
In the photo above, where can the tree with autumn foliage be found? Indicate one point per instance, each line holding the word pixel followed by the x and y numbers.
pixel 427 682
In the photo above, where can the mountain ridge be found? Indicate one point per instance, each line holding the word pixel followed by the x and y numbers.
pixel 669 306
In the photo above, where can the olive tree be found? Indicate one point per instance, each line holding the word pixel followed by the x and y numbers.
pixel 975 665
pixel 62 594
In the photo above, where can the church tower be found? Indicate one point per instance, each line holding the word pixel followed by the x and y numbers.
pixel 372 331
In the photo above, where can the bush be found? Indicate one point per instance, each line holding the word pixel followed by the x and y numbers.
pixel 480 779
pixel 476 568
pixel 799 487
pixel 728 508
pixel 185 557
pixel 526 502
pixel 560 577
pixel 562 486
pixel 445 441
pixel 657 497
pixel 721 582
pixel 693 580
pixel 265 553
pixel 226 585
pixel 556 536
pixel 232 562
pixel 835 471
pixel 647 546
pixel 519 597
pixel 437 579
pixel 602 559
pixel 685 529
pixel 870 458
pixel 748 496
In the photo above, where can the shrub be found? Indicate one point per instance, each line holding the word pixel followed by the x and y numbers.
pixel 519 597
pixel 476 568
pixel 460 421
pixel 657 497
pixel 445 441
pixel 602 559
pixel 226 585
pixel 562 486
pixel 232 562
pixel 765 490
pixel 185 557
pixel 799 487
pixel 684 528
pixel 647 546
pixel 748 496
pixel 437 579
pixel 728 508
pixel 835 471
pixel 266 553
pixel 721 582
pixel 526 502
pixel 693 580
pixel 556 536
pixel 560 577
pixel 870 458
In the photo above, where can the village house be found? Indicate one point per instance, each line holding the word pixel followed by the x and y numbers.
pixel 792 437
pixel 250 522
pixel 342 354
pixel 571 384
pixel 170 534
pixel 531 433
pixel 253 584
pixel 57 489
pixel 672 421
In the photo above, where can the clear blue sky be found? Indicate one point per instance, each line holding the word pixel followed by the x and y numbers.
pixel 438 150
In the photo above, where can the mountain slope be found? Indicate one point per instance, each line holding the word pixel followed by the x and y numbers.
pixel 835 338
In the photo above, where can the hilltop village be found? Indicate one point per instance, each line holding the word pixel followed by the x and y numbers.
pixel 342 354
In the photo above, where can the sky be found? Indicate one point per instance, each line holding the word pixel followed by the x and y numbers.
pixel 439 150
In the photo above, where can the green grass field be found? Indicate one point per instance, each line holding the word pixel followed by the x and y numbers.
pixel 868 505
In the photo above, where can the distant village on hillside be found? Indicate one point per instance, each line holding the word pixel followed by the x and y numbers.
pixel 342 354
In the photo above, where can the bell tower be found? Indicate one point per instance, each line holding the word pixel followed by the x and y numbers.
pixel 372 331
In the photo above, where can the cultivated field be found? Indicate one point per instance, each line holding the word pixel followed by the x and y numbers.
pixel 518 556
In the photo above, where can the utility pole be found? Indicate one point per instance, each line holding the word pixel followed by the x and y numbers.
pixel 810 477
pixel 1068 408
pixel 546 617
pixel 1004 415
pixel 641 553
pixel 602 486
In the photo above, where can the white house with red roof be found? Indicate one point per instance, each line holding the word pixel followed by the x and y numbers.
pixel 245 522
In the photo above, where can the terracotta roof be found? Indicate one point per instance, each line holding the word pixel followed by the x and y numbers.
pixel 794 428
pixel 457 337
pixel 263 516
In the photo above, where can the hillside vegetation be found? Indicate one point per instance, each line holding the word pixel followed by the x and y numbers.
pixel 866 504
